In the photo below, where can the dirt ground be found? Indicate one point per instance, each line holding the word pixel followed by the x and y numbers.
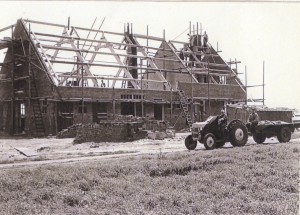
pixel 24 152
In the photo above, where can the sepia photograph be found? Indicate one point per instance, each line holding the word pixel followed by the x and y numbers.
pixel 149 107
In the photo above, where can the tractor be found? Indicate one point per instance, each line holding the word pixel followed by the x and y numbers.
pixel 214 135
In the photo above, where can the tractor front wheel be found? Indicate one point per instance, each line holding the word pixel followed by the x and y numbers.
pixel 210 141
pixel 190 144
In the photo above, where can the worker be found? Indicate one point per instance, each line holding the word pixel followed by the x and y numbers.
pixel 205 40
pixel 222 121
pixel 181 54
pixel 253 119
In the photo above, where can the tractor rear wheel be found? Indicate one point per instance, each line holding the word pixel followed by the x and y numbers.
pixel 238 134
pixel 284 134
pixel 259 137
pixel 210 141
pixel 190 144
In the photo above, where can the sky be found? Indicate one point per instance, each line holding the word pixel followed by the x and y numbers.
pixel 250 32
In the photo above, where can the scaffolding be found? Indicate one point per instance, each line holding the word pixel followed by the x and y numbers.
pixel 84 58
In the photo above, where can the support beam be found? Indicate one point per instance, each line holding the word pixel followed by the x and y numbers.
pixel 106 53
pixel 91 40
pixel 108 78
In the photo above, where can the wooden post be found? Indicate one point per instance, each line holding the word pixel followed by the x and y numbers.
pixel 82 96
pixel 246 84
pixel 12 83
pixel 208 90
pixel 171 105
pixel 142 93
pixel 114 104
pixel 192 95
pixel 147 49
pixel 193 29
pixel 263 82
pixel 29 87
pixel 68 23
pixel 164 42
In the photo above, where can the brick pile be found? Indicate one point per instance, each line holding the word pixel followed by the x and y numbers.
pixel 109 132
pixel 70 132
pixel 123 128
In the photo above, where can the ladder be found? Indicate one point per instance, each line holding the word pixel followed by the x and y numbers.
pixel 36 107
pixel 184 101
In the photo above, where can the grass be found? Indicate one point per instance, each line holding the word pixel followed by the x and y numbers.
pixel 257 179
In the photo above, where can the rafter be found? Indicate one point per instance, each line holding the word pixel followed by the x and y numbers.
pixel 152 63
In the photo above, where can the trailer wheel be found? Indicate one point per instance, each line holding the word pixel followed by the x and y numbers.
pixel 284 134
pixel 259 137
pixel 238 134
pixel 210 141
pixel 190 144
pixel 220 144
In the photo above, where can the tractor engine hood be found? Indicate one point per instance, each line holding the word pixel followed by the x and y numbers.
pixel 200 125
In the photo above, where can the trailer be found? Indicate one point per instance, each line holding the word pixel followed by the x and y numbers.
pixel 266 129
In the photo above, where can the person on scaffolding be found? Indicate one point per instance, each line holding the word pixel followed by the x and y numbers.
pixel 222 121
pixel 253 119
pixel 205 41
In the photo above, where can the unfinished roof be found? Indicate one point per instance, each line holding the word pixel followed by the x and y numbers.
pixel 93 57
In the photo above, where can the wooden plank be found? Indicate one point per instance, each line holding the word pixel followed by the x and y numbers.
pixel 109 78
pixel 6 28
pixel 106 53
pixel 100 31
pixel 148 37
pixel 26 151
pixel 92 40
pixel 174 41
pixel 259 85
pixel 16 79
pixel 200 53
pixel 114 66
pixel 212 70
pixel 205 63
pixel 214 74
pixel 44 23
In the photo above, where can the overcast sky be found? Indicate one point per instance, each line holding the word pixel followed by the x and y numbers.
pixel 250 32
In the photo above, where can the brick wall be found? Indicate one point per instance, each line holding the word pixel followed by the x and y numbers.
pixel 216 91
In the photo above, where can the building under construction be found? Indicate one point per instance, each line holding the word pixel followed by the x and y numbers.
pixel 54 75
